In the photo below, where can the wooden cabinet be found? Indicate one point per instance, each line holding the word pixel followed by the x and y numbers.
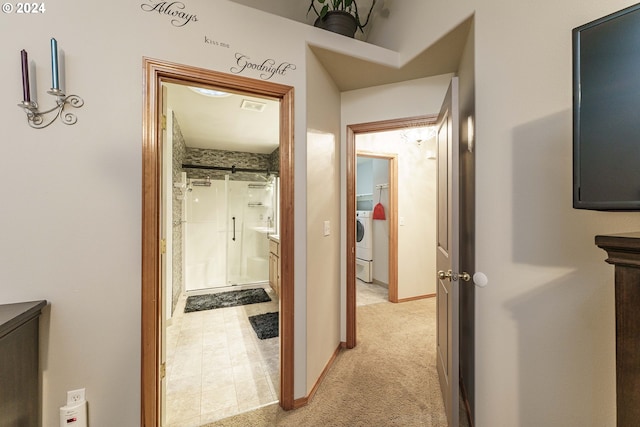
pixel 623 252
pixel 19 373
pixel 274 264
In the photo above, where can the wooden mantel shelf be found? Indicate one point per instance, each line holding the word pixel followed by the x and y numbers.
pixel 623 249
pixel 623 252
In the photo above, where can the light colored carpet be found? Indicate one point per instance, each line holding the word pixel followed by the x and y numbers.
pixel 388 379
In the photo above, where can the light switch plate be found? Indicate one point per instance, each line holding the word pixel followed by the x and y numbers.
pixel 327 228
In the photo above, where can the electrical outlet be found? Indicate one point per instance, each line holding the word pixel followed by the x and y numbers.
pixel 75 396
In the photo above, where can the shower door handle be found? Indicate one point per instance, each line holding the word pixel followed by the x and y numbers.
pixel 234 229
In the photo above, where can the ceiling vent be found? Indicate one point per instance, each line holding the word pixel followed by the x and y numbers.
pixel 253 105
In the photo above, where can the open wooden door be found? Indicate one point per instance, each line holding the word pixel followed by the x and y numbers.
pixel 447 259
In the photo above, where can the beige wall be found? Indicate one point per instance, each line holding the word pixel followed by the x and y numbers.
pixel 71 212
pixel 72 226
pixel 545 343
pixel 323 205
pixel 545 324
pixel 413 25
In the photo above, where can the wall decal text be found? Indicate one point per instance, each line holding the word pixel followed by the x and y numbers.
pixel 267 67
pixel 174 9
pixel 207 40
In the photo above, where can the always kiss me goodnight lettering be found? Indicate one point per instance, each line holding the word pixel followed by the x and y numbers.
pixel 173 9
pixel 268 67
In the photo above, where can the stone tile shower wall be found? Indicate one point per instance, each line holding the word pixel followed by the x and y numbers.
pixel 179 149
pixel 274 159
pixel 227 159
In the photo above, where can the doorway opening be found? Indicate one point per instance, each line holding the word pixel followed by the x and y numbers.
pixel 154 297
pixel 376 238
pixel 220 215
pixel 352 152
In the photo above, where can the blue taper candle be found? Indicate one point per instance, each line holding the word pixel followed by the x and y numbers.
pixel 55 83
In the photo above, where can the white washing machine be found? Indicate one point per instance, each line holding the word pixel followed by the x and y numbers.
pixel 364 270
pixel 364 246
pixel 364 238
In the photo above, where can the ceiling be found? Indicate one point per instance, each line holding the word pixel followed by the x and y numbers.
pixel 231 123
pixel 221 123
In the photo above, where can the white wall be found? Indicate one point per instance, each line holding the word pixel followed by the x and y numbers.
pixel 364 176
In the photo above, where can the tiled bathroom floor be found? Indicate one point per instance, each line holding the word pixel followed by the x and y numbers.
pixel 217 366
pixel 370 293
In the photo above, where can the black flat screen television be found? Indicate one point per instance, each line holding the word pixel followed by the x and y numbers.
pixel 606 112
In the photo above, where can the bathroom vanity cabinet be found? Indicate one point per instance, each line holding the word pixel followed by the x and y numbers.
pixel 623 252
pixel 19 373
pixel 274 263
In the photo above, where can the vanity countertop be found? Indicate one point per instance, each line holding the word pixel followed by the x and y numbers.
pixel 275 237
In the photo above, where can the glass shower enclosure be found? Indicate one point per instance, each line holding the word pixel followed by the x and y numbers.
pixel 228 223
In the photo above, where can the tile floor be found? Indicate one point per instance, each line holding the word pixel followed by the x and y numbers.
pixel 217 366
pixel 370 293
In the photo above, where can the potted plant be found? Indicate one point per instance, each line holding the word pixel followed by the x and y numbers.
pixel 339 16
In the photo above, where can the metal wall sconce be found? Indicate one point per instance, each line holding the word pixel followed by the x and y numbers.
pixel 37 119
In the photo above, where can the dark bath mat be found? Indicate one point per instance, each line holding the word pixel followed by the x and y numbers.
pixel 265 325
pixel 225 299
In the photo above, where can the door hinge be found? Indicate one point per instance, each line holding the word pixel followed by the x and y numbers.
pixel 163 370
pixel 163 122
pixel 163 246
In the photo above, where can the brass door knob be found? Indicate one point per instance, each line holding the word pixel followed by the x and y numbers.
pixel 454 276
pixel 444 275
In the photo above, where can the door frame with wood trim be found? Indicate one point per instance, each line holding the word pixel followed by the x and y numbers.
pixel 155 72
pixel 352 131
